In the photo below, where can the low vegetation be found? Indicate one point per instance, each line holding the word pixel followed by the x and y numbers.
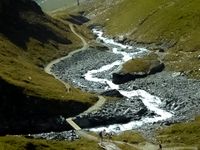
pixel 26 49
pixel 170 24
pixel 29 40
pixel 20 143
pixel 129 137
pixel 181 134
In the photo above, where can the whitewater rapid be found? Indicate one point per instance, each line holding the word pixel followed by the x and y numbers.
pixel 152 103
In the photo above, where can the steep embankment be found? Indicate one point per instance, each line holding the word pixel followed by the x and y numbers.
pixel 29 39
pixel 165 25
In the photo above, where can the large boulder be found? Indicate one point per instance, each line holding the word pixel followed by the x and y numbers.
pixel 112 93
pixel 156 66
pixel 138 68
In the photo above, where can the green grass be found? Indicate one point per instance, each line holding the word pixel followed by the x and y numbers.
pixel 160 21
pixel 20 143
pixel 181 134
pixel 27 44
pixel 51 5
pixel 23 67
pixel 129 137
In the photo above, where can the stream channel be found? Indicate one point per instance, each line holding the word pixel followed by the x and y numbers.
pixel 92 70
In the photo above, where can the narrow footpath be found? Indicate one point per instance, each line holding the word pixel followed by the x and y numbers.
pixel 111 144
pixel 47 69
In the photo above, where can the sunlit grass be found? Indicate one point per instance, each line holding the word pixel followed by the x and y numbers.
pixel 20 143
pixel 160 21
pixel 181 133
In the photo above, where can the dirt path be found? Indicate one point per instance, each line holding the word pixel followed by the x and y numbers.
pixel 107 145
pixel 96 106
pixel 47 69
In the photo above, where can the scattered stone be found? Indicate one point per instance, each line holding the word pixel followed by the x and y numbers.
pixel 112 93
pixel 120 111
pixel 66 135
pixel 121 77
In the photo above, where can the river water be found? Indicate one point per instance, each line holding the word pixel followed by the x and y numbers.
pixel 153 103
pixel 91 70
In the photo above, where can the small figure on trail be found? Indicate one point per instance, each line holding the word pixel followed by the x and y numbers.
pixel 160 146
pixel 101 135
pixel 110 135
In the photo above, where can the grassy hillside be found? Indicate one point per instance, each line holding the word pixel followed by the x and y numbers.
pixel 29 40
pixel 173 24
pixel 25 52
pixel 50 5
pixel 20 143
pixel 180 134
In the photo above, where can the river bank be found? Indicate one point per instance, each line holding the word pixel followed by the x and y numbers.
pixel 171 88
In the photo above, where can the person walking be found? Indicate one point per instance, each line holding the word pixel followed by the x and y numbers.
pixel 110 135
pixel 160 146
pixel 101 135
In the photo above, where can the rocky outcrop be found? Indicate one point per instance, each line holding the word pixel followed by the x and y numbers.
pixel 112 93
pixel 153 66
pixel 66 135
pixel 120 111
pixel 156 66
pixel 120 78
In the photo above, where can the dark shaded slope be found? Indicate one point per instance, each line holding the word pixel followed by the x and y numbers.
pixel 30 99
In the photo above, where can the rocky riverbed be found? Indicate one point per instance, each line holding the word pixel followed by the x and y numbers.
pixel 179 94
pixel 144 104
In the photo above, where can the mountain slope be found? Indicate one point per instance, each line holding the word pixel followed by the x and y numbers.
pixel 29 39
pixel 172 25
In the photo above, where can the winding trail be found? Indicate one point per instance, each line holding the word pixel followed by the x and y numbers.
pixel 107 145
pixel 47 69
pixel 96 106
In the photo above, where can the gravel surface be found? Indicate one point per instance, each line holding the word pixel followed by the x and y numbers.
pixel 179 95
pixel 72 70
pixel 66 135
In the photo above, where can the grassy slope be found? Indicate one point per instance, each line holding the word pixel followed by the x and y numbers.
pixel 181 133
pixel 51 5
pixel 22 65
pixel 175 22
pixel 172 22
pixel 20 143
pixel 129 137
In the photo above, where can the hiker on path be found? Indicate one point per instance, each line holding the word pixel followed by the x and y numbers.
pixel 101 135
pixel 110 135
pixel 160 146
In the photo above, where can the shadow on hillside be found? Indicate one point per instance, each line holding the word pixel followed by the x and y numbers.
pixel 20 113
pixel 19 31
pixel 78 20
